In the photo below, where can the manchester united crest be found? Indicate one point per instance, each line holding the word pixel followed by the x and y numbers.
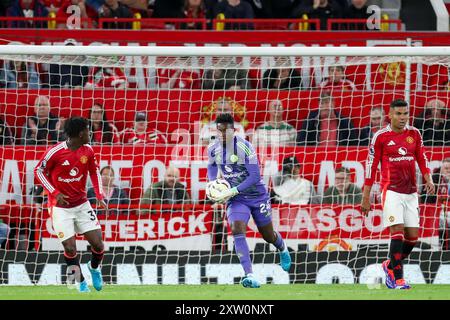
pixel 84 159
pixel 410 140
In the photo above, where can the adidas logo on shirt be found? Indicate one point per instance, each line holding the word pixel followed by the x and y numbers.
pixel 66 163
pixel 391 143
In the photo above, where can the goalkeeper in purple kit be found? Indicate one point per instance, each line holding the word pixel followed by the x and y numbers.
pixel 247 196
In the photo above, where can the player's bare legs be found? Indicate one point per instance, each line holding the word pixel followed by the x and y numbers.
pixel 274 237
pixel 94 237
pixel 73 264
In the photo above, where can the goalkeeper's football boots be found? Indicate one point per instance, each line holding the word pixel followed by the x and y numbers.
pixel 84 287
pixel 401 284
pixel 390 279
pixel 96 274
pixel 285 260
pixel 250 282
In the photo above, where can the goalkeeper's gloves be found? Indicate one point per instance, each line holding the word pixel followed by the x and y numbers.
pixel 226 195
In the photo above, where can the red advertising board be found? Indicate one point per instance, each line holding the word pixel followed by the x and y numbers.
pixel 193 229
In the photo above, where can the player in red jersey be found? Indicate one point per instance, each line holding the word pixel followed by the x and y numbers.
pixel 397 146
pixel 63 171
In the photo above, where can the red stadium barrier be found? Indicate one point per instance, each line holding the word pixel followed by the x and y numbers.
pixel 156 23
pixel 9 20
pixel 267 24
pixel 360 24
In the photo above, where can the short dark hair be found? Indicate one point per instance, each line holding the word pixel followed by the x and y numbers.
pixel 75 125
pixel 343 169
pixel 225 118
pixel 107 168
pixel 398 103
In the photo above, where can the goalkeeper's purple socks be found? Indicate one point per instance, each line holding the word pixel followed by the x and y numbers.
pixel 241 246
pixel 279 243
pixel 73 264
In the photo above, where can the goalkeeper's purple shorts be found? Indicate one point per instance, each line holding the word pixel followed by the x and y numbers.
pixel 241 209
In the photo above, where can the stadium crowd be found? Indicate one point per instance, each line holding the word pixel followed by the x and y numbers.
pixel 187 9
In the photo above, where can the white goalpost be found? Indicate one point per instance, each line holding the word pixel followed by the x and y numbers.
pixel 178 91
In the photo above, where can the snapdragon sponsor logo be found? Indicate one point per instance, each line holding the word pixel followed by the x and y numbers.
pixel 70 180
pixel 233 175
pixel 398 159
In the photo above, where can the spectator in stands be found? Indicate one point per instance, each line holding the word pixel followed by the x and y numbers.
pixel 6 136
pixel 178 78
pixel 441 178
pixel 168 9
pixel 434 123
pixel 356 10
pixel 224 79
pixel 68 75
pixel 275 132
pixel 336 80
pixel 235 9
pixel 19 75
pixel 326 127
pixel 291 187
pixel 4 5
pixel 86 12
pixel 115 9
pixel 208 130
pixel 167 191
pixel 53 5
pixel 282 79
pixel 377 121
pixel 27 9
pixel 4 232
pixel 319 9
pixel 103 132
pixel 194 9
pixel 43 127
pixel 113 194
pixel 343 191
pixel 268 9
pixel 140 133
pixel 141 5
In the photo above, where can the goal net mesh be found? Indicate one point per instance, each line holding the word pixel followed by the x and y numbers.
pixel 151 120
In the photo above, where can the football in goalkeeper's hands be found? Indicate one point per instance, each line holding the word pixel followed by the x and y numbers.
pixel 215 188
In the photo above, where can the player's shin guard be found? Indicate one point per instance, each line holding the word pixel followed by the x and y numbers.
pixel 279 243
pixel 408 246
pixel 241 246
pixel 395 253
pixel 96 259
pixel 73 267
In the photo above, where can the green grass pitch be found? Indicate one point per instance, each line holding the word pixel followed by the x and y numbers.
pixel 227 292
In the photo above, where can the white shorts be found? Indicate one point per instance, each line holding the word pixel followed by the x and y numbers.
pixel 68 221
pixel 400 208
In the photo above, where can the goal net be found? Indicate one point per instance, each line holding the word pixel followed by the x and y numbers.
pixel 309 112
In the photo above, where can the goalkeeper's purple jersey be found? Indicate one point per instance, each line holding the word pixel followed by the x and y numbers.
pixel 238 165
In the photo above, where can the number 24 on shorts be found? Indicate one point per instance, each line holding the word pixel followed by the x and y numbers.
pixel 265 208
